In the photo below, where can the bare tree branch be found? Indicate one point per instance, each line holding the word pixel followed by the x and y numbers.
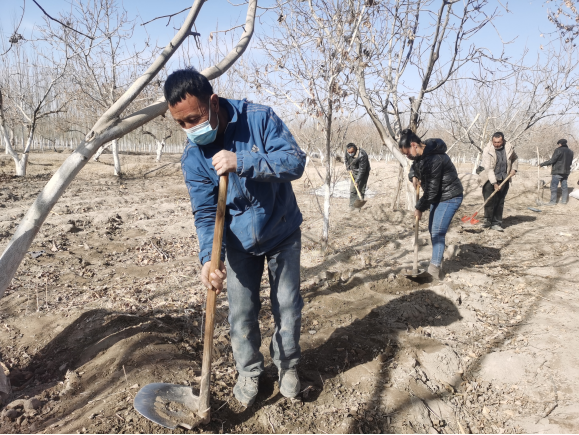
pixel 60 22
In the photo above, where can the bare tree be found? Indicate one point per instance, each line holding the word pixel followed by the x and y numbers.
pixel 401 40
pixel 104 64
pixel 565 17
pixel 307 61
pixel 30 87
pixel 517 102
pixel 111 125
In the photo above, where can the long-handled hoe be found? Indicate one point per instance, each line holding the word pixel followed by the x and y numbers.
pixel 173 405
pixel 472 219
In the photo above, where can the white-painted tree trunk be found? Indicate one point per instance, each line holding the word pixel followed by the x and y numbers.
pixel 100 151
pixel 160 146
pixel 21 164
pixel 476 162
pixel 116 160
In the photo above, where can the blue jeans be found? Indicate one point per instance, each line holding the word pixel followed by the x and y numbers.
pixel 244 273
pixel 441 214
pixel 555 179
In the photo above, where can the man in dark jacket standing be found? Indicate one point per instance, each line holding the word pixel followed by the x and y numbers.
pixel 561 168
pixel 357 161
pixel 254 148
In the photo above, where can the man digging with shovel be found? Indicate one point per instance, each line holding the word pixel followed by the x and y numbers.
pixel 262 222
pixel 358 165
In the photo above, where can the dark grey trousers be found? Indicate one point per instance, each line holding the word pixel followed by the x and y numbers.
pixel 361 185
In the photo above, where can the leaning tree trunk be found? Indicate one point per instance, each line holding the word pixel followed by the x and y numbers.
pixel 109 127
pixel 116 160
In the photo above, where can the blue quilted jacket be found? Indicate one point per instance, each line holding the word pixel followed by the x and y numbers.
pixel 262 210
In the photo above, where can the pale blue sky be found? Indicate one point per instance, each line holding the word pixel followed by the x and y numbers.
pixel 524 25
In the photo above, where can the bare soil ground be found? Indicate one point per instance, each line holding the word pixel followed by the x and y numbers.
pixel 108 300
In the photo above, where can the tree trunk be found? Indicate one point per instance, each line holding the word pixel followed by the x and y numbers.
pixel 160 146
pixel 399 184
pixel 328 178
pixel 116 160
pixel 21 165
pixel 386 136
pixel 476 162
pixel 100 151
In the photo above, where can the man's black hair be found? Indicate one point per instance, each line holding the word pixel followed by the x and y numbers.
pixel 186 81
pixel 562 142
pixel 407 136
pixel 499 134
pixel 351 145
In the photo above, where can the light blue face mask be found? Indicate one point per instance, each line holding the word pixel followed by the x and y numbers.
pixel 203 134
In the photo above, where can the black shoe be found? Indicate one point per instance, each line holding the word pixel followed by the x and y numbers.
pixel 486 224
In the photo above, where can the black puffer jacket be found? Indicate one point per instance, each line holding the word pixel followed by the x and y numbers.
pixel 359 165
pixel 437 175
pixel 561 161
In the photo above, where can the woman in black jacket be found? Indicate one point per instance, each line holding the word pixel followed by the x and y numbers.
pixel 436 174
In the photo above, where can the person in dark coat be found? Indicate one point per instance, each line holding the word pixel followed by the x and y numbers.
pixel 442 189
pixel 561 168
pixel 357 161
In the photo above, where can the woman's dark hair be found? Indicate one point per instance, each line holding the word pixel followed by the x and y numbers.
pixel 186 81
pixel 407 136
pixel 499 134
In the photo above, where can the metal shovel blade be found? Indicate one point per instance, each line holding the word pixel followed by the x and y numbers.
pixel 359 203
pixel 169 405
pixel 417 273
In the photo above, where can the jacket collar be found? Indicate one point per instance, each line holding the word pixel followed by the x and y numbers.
pixel 508 149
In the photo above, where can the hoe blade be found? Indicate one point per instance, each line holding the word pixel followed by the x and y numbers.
pixel 169 405
pixel 359 203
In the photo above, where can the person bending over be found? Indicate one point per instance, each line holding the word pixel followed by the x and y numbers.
pixel 561 168
pixel 442 189
pixel 357 161
pixel 250 144
pixel 499 159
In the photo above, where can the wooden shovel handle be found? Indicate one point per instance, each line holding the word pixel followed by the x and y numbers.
pixel 416 223
pixel 493 194
pixel 204 407
pixel 355 185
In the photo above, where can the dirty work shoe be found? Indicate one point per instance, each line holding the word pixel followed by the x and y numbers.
pixel 289 382
pixel 497 228
pixel 435 272
pixel 486 224
pixel 246 389
pixel 550 204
